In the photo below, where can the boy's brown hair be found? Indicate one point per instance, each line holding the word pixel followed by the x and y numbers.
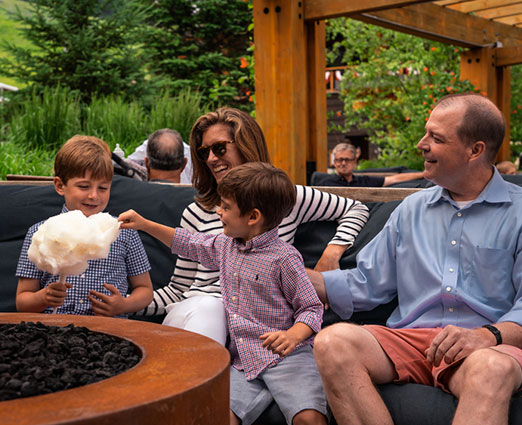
pixel 81 154
pixel 262 186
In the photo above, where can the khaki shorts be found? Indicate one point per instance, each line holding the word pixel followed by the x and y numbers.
pixel 406 349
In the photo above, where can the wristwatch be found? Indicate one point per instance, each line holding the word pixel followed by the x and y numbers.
pixel 494 331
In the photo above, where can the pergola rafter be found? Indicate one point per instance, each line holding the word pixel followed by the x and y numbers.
pixel 290 60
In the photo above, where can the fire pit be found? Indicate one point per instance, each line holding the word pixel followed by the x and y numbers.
pixel 182 378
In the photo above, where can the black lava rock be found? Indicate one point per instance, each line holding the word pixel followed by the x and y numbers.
pixel 39 359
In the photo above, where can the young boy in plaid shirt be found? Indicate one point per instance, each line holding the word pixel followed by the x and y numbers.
pixel 83 175
pixel 272 308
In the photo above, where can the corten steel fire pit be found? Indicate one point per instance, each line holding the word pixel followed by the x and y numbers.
pixel 182 378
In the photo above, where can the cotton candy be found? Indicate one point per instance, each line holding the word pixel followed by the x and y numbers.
pixel 63 243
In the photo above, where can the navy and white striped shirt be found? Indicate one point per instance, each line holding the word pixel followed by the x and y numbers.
pixel 191 279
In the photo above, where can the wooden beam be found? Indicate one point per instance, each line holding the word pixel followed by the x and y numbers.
pixel 281 83
pixel 324 9
pixel 370 194
pixel 445 25
pixel 507 56
pixel 316 63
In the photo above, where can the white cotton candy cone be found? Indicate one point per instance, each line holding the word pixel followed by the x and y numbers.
pixel 64 243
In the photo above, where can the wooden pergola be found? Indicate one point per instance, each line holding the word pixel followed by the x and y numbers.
pixel 290 60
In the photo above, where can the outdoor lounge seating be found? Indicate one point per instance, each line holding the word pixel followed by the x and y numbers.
pixel 26 204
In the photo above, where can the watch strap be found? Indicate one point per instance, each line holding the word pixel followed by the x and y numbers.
pixel 494 331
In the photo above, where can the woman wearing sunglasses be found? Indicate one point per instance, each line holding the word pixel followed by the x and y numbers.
pixel 220 141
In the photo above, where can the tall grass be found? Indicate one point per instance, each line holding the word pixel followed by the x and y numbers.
pixel 46 120
pixel 179 113
pixel 38 124
pixel 115 121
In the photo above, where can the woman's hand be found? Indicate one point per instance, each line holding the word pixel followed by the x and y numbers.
pixel 330 258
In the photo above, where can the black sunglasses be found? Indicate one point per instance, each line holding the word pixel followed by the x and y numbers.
pixel 219 149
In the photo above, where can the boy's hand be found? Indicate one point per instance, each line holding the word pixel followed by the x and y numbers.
pixel 107 305
pixel 280 342
pixel 131 220
pixel 55 293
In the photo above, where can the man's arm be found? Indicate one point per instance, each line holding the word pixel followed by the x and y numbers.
pixel 402 177
pixel 318 282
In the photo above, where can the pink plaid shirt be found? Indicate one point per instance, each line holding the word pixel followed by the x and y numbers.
pixel 265 288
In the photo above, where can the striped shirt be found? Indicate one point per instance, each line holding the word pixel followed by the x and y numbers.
pixel 265 288
pixel 190 278
pixel 127 257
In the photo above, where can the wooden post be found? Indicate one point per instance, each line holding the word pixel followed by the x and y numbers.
pixel 318 140
pixel 479 67
pixel 281 78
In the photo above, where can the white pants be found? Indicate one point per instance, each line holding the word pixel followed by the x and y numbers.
pixel 202 314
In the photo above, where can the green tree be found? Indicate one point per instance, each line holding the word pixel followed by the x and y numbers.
pixel 392 83
pixel 86 45
pixel 202 44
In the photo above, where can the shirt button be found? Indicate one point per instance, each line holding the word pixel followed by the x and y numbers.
pixel 240 339
pixel 83 276
pixel 459 214
pixel 450 309
pixel 235 316
pixel 454 242
pixel 448 288
pixel 81 301
pixel 235 274
pixel 234 298
pixel 451 270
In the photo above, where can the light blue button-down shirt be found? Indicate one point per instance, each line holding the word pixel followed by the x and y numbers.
pixel 446 265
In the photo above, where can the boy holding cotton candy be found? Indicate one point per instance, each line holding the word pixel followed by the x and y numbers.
pixel 83 174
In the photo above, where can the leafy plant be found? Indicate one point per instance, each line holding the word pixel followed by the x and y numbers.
pixel 392 83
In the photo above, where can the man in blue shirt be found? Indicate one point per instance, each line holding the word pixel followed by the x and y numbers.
pixel 451 254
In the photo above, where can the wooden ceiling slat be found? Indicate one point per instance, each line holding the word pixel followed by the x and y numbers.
pixel 475 5
pixel 325 9
pixel 510 20
pixel 445 25
pixel 500 12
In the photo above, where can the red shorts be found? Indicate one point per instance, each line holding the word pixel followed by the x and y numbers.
pixel 406 349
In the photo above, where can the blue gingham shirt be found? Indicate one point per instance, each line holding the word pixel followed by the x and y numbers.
pixel 264 286
pixel 127 257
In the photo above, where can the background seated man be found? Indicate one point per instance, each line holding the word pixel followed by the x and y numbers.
pixel 138 157
pixel 506 167
pixel 165 160
pixel 345 162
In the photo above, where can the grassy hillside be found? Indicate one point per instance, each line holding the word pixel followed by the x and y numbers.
pixel 10 32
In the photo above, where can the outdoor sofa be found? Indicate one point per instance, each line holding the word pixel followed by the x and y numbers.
pixel 27 203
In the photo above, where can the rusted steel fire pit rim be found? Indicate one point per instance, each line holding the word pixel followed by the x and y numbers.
pixel 176 370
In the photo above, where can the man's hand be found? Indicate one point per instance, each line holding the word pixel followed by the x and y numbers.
pixel 280 342
pixel 107 305
pixel 330 258
pixel 454 343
